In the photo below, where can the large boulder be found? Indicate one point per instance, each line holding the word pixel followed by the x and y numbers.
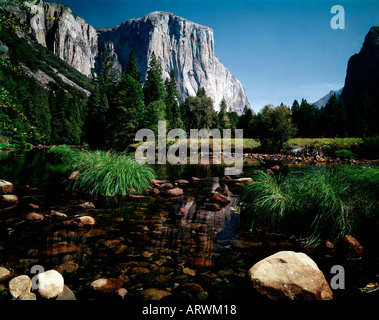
pixel 50 284
pixel 20 285
pixel 289 275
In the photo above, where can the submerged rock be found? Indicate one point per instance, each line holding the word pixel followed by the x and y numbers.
pixel 60 248
pixel 201 262
pixel 83 221
pixel 108 285
pixel 174 192
pixel 218 198
pixel 8 199
pixel 154 294
pixel 33 217
pixel 289 275
pixel 86 205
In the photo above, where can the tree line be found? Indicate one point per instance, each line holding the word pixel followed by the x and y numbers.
pixel 121 104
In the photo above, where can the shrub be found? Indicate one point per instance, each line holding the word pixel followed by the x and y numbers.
pixel 344 154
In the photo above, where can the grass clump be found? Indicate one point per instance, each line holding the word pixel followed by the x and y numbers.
pixel 324 203
pixel 105 173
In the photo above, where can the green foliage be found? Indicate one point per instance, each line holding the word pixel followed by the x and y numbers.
pixel 154 88
pixel 124 119
pixel 107 74
pixel 273 126
pixel 172 106
pixel 95 126
pixel 63 153
pixel 104 172
pixel 223 117
pixel 344 154
pixel 244 122
pixel 369 148
pixel 325 203
pixel 109 174
pixel 198 112
pixel 132 68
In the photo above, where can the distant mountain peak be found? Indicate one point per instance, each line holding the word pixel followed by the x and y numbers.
pixel 324 100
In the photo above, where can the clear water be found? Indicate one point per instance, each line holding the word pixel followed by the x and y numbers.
pixel 203 255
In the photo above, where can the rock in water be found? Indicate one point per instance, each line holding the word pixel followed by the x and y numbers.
pixel 107 285
pixel 348 248
pixel 20 285
pixel 154 294
pixel 80 222
pixel 6 187
pixel 5 273
pixel 289 275
pixel 8 199
pixel 174 192
pixel 50 284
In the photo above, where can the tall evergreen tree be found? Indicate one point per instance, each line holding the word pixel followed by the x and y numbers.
pixel 172 106
pixel 223 118
pixel 124 118
pixel 244 122
pixel 132 68
pixel 96 121
pixel 107 74
pixel 154 88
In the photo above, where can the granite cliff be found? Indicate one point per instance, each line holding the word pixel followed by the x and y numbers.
pixel 184 46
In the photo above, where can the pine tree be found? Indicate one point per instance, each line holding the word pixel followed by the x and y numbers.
pixel 59 106
pixel 223 118
pixel 124 118
pixel 244 122
pixel 107 74
pixel 96 121
pixel 172 106
pixel 154 89
pixel 132 68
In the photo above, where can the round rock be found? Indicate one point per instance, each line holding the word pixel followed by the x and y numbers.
pixel 20 285
pixel 50 284
pixel 289 275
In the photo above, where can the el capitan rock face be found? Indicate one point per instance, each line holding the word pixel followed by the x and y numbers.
pixel 184 46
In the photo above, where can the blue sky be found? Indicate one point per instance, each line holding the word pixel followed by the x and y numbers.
pixel 280 50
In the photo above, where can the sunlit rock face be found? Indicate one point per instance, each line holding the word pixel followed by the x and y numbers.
pixel 182 45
